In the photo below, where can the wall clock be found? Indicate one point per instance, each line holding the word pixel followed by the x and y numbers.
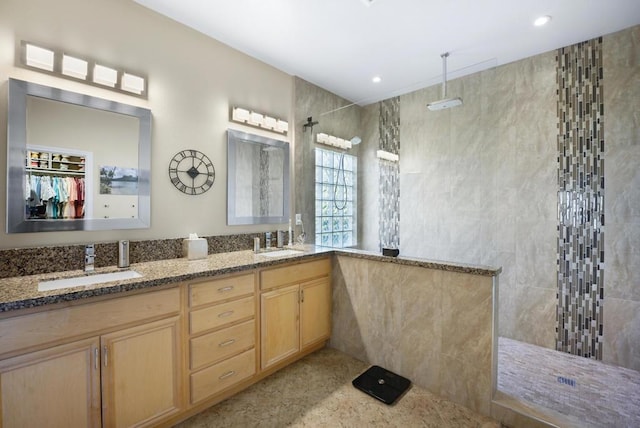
pixel 191 172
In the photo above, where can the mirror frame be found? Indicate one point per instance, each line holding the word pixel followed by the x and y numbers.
pixel 237 137
pixel 19 90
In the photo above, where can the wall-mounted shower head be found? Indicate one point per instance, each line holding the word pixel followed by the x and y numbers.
pixel 310 124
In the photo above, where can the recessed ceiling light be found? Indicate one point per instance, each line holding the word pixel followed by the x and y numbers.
pixel 376 79
pixel 539 22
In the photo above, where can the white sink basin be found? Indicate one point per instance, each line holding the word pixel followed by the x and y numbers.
pixel 89 279
pixel 281 253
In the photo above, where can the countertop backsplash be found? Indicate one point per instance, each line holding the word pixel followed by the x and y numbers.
pixel 39 260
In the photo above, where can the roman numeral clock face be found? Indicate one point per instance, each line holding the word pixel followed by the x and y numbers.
pixel 191 172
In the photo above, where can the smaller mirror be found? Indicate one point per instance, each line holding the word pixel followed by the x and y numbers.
pixel 257 179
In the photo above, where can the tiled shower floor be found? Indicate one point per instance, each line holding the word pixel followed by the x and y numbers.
pixel 588 393
pixel 316 392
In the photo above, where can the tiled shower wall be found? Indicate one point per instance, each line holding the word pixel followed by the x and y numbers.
pixel 389 197
pixel 335 116
pixel 621 335
pixel 581 201
pixel 484 179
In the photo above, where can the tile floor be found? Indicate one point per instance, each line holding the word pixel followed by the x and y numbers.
pixel 581 391
pixel 317 392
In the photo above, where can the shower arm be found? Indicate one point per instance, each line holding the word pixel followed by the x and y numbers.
pixel 444 74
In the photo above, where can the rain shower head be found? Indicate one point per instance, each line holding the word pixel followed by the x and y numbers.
pixel 356 140
pixel 445 102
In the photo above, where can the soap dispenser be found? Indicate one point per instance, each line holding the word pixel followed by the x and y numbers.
pixel 123 254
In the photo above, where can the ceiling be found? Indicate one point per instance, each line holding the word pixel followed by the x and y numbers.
pixel 340 45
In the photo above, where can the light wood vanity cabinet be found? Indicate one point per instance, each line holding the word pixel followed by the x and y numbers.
pixel 55 387
pixel 141 374
pixel 158 357
pixel 121 375
pixel 295 309
pixel 222 328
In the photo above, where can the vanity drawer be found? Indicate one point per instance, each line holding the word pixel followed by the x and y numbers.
pixel 217 346
pixel 225 374
pixel 294 274
pixel 221 289
pixel 42 329
pixel 219 315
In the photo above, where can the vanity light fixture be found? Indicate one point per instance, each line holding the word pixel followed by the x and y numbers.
pixel 240 115
pixel 269 122
pixel 105 75
pixel 282 126
pixel 256 119
pixel 74 67
pixel 330 140
pixel 132 83
pixel 259 120
pixel 388 156
pixel 38 57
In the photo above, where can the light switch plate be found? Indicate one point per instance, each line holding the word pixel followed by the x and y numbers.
pixel 298 219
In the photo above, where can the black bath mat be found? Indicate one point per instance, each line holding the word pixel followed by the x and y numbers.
pixel 382 384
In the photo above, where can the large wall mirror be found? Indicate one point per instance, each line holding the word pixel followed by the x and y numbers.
pixel 75 162
pixel 257 179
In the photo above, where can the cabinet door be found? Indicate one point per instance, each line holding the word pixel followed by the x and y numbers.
pixel 315 311
pixel 279 327
pixel 141 380
pixel 57 387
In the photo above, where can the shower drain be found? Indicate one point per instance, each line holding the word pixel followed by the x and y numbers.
pixel 567 381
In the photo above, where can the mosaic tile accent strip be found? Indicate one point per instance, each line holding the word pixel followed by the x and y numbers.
pixel 580 200
pixel 389 125
pixel 389 196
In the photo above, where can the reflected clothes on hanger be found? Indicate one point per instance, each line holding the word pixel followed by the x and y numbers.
pixel 54 197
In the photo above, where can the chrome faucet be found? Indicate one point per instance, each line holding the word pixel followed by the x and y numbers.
pixel 89 257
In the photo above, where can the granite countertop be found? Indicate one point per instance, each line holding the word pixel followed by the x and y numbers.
pixel 428 264
pixel 22 292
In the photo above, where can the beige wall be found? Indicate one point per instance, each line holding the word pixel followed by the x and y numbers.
pixel 193 80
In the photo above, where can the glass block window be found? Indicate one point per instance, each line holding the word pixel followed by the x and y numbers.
pixel 336 199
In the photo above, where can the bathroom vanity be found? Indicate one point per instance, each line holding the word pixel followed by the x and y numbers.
pixel 186 335
pixel 157 349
